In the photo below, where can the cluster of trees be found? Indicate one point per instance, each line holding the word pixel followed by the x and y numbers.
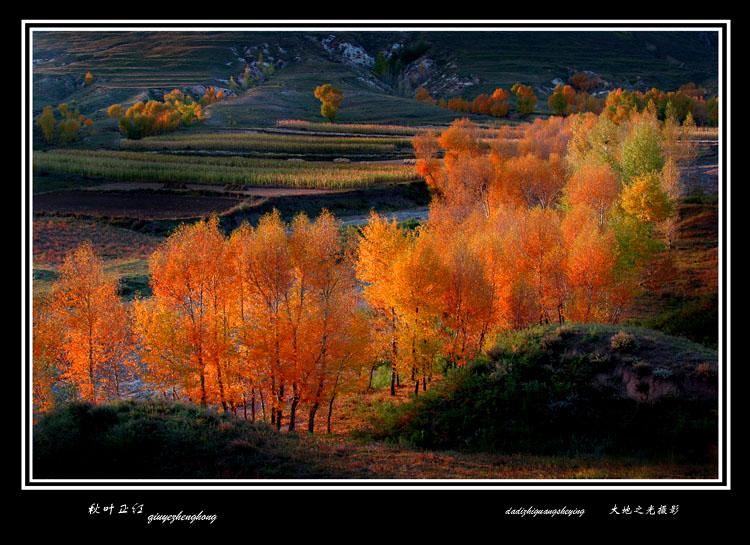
pixel 495 104
pixel 267 316
pixel 687 103
pixel 154 117
pixel 568 223
pixel 65 129
pixel 525 98
pixel 330 98
pixel 565 100
pixel 568 99
pixel 575 98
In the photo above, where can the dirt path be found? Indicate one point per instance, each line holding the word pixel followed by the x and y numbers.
pixel 249 191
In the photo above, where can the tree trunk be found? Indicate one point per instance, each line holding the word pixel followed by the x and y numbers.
pixel 311 417
pixel 293 410
pixel 394 354
pixel 203 388
pixel 330 410
pixel 221 386
pixel 91 367
pixel 280 409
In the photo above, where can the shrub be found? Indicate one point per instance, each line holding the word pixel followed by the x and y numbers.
pixel 160 440
pixel 624 342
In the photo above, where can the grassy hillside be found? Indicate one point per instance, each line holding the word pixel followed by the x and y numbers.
pixel 576 390
pixel 130 66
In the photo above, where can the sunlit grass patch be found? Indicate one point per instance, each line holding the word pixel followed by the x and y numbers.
pixel 218 170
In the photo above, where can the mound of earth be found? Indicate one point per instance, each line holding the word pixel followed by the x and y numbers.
pixel 571 390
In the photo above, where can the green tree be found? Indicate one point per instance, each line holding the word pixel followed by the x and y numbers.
pixel 381 65
pixel 641 151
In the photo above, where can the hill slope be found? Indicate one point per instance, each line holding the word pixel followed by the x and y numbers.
pixel 130 66
pixel 578 390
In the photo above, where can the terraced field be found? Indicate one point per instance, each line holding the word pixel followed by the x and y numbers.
pixel 183 168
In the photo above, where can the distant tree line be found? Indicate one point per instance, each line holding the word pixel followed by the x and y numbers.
pixel 495 104
pixel 689 103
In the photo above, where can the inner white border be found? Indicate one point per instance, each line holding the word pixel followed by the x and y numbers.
pixel 388 25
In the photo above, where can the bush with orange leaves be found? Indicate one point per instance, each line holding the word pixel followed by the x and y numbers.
pixel 154 117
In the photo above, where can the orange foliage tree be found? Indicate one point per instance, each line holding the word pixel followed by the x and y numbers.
pixel 417 288
pixel 47 354
pixel 332 347
pixel 379 242
pixel 330 98
pixel 596 185
pixel 269 313
pixel 93 339
pixel 562 99
pixel 565 216
pixel 188 280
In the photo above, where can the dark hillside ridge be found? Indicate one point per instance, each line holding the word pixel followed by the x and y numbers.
pixel 574 390
pixel 131 66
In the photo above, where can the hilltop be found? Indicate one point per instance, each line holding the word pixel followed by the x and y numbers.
pixel 287 66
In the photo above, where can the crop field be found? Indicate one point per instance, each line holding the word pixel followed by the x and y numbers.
pixel 351 128
pixel 218 170
pixel 246 141
pixel 107 195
